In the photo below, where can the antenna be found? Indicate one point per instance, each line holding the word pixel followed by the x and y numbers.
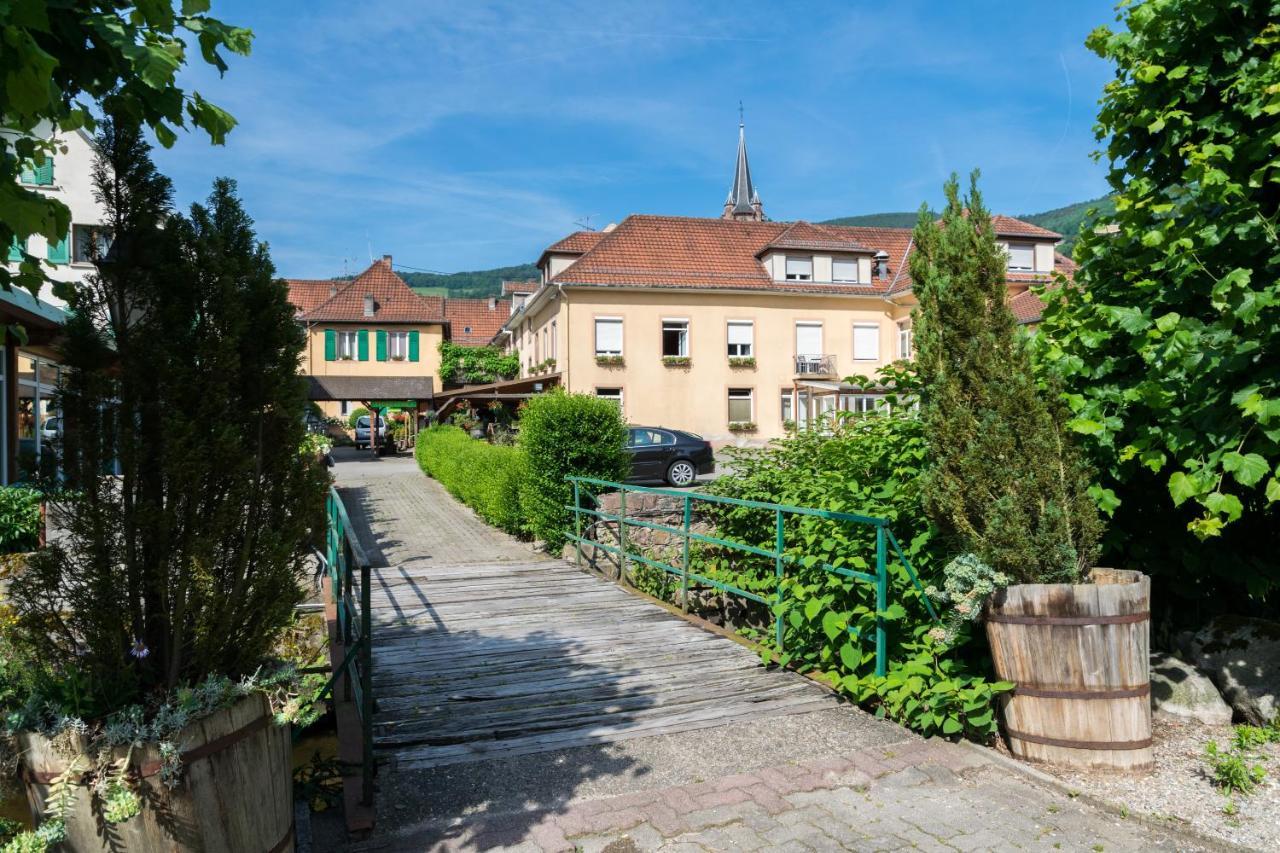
pixel 584 222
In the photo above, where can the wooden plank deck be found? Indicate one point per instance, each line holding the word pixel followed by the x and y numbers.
pixel 483 660
pixel 483 649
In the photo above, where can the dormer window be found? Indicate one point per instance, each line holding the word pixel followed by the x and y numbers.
pixel 844 271
pixel 799 269
pixel 1022 257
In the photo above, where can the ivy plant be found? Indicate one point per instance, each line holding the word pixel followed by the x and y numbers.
pixel 468 365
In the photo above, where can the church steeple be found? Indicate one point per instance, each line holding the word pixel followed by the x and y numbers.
pixel 743 201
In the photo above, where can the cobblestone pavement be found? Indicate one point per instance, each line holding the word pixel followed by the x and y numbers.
pixel 828 780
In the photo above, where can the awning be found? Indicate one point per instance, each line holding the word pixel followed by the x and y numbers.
pixel 399 388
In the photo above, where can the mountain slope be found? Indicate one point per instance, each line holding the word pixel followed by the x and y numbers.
pixel 876 220
pixel 473 283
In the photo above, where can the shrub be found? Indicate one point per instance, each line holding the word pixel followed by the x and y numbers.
pixel 356 414
pixel 483 476
pixel 19 519
pixel 563 434
pixel 1004 481
pixel 465 365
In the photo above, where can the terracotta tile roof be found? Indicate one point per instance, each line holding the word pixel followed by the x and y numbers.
pixel 510 287
pixel 1027 307
pixel 473 322
pixel 1007 226
pixel 305 294
pixel 577 243
pixel 394 301
pixel 819 238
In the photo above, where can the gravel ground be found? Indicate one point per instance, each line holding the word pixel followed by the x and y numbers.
pixel 1180 789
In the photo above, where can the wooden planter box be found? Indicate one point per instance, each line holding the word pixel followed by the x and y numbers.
pixel 236 791
pixel 1079 654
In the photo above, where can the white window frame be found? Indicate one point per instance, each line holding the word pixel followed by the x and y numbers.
pixel 397 346
pixel 862 404
pixel 841 261
pixel 676 324
pixel 787 405
pixel 40 391
pixel 1022 247
pixel 616 398
pixel 788 275
pixel 809 324
pixel 738 394
pixel 905 341
pixel 747 350
pixel 874 353
pixel 347 345
pixel 621 335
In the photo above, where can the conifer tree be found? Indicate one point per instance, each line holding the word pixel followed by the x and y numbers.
pixel 1004 481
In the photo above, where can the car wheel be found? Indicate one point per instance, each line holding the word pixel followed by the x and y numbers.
pixel 681 473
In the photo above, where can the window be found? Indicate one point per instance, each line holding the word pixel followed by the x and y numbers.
pixel 346 345
pixel 741 338
pixel 675 337
pixel 866 342
pixel 614 395
pixel 844 270
pixel 808 339
pixel 741 406
pixel 39 176
pixel 89 243
pixel 59 252
pixel 904 339
pixel 1022 256
pixel 608 336
pixel 345 408
pixel 554 344
pixel 397 345
pixel 788 406
pixel 641 437
pixel 861 403
pixel 799 269
pixel 39 423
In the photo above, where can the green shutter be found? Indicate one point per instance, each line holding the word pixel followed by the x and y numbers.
pixel 330 345
pixel 362 344
pixel 59 252
pixel 42 176
pixel 15 250
pixel 413 345
pixel 382 345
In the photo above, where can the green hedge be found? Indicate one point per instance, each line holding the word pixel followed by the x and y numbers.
pixel 486 477
pixel 19 519
pixel 563 434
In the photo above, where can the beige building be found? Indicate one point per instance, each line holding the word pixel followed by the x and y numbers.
pixel 733 327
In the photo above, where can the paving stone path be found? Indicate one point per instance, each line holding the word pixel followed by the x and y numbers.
pixel 822 777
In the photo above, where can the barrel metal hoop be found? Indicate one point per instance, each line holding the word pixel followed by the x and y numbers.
pixel 1124 619
pixel 1115 693
pixel 1118 745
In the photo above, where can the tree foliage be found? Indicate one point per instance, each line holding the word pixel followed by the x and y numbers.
pixel 1168 348
pixel 62 59
pixel 1004 481
pixel 181 368
pixel 471 365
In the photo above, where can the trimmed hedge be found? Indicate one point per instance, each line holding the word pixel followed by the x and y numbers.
pixel 563 434
pixel 486 477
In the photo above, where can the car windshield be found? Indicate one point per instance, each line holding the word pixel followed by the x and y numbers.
pixel 362 422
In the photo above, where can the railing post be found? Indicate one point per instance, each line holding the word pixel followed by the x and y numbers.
pixel 577 523
pixel 344 616
pixel 366 685
pixel 779 545
pixel 882 599
pixel 684 568
pixel 622 534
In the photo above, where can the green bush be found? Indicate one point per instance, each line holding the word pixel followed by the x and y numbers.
pixel 19 519
pixel 471 365
pixel 563 434
pixel 483 476
pixel 356 414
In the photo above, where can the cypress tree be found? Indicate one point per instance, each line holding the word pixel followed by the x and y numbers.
pixel 1004 481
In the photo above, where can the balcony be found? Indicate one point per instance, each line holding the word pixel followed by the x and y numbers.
pixel 816 366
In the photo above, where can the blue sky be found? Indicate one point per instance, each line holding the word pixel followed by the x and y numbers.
pixel 467 135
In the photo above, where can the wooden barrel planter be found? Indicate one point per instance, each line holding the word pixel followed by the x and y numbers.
pixel 235 794
pixel 1079 655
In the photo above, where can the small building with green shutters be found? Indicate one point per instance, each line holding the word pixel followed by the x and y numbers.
pixel 372 337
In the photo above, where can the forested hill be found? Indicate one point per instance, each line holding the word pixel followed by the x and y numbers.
pixel 474 283
pixel 1064 220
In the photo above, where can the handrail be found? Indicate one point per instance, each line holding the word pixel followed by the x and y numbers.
pixel 885 540
pixel 348 566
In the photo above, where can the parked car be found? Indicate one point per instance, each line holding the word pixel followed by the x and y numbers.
pixel 52 429
pixel 362 431
pixel 667 455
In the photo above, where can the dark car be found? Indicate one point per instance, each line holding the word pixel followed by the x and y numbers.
pixel 667 455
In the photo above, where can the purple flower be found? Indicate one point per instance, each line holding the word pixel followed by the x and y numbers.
pixel 139 650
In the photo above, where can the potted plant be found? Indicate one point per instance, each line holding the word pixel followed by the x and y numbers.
pixel 742 362
pixel 1012 497
pixel 136 679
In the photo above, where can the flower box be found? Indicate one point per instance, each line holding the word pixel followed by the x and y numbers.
pixel 610 360
pixel 676 360
pixel 746 362
pixel 742 426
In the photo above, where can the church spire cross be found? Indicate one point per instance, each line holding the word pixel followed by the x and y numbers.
pixel 743 201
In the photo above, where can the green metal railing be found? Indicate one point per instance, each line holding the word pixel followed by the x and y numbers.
pixel 348 570
pixel 884 541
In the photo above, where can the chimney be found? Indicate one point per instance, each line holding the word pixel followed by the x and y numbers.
pixel 493 302
pixel 386 259
pixel 333 290
pixel 882 264
pixel 369 305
